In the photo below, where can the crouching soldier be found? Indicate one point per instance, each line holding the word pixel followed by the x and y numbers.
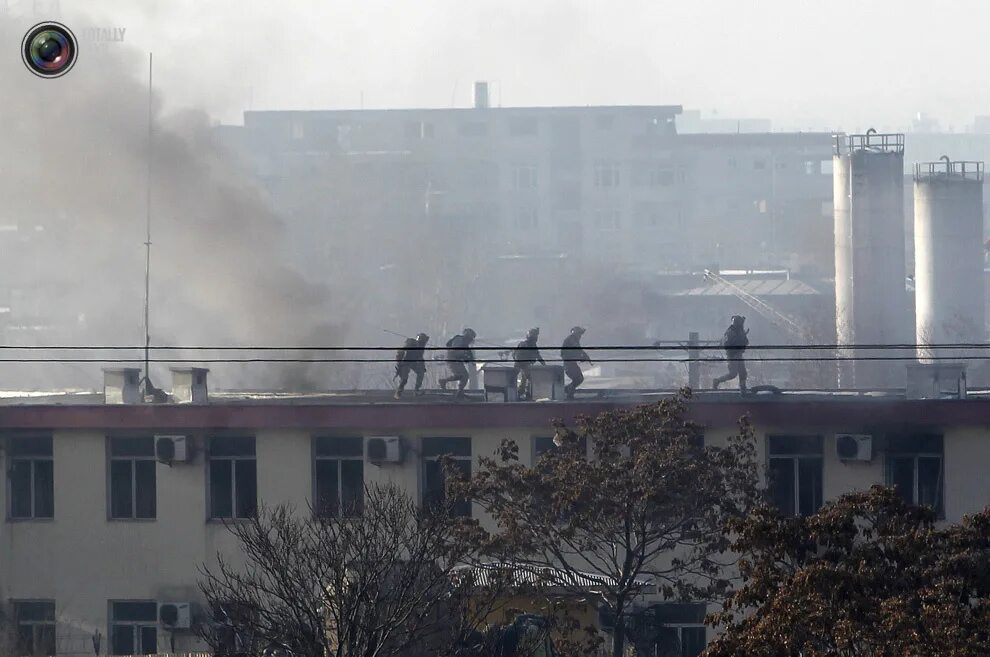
pixel 411 358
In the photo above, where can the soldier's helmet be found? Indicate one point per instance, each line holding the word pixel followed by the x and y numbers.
pixel 533 332
pixel 738 320
pixel 578 329
pixel 469 333
pixel 422 338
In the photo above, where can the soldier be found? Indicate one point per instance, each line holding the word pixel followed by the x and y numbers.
pixel 735 342
pixel 459 353
pixel 525 355
pixel 410 358
pixel 572 354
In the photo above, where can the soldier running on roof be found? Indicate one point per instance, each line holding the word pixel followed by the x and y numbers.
pixel 573 355
pixel 411 358
pixel 734 342
pixel 525 356
pixel 459 354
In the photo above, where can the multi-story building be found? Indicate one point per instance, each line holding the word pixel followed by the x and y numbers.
pixel 467 202
pixel 98 532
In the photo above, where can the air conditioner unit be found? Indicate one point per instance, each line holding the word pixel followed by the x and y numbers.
pixel 385 449
pixel 175 615
pixel 854 447
pixel 172 449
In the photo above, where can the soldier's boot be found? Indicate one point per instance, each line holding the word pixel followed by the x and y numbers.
pixel 443 384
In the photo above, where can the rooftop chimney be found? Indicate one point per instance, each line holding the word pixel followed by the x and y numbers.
pixel 122 385
pixel 189 385
pixel 481 95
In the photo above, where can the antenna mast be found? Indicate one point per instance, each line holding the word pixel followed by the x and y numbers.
pixel 147 243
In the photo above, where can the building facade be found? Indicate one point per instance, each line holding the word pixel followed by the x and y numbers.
pixel 99 532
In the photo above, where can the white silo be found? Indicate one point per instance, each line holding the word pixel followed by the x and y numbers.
pixel 871 302
pixel 950 307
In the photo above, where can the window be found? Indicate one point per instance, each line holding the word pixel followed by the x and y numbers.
pixel 233 478
pixel 523 126
pixel 607 219
pixel 134 628
pixel 810 167
pixel 32 478
pixel 230 620
pixel 298 129
pixel 795 484
pixel 825 167
pixel 473 129
pixel 527 218
pixel 339 476
pixel 606 174
pixel 132 478
pixel 914 469
pixel 35 626
pixel 681 629
pixel 524 176
pixel 759 164
pixel 434 484
pixel 660 177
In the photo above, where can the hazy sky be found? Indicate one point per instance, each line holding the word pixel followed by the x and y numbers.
pixel 803 63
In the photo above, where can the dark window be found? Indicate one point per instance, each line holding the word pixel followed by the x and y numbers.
pixel 660 177
pixel 915 469
pixel 32 478
pixel 35 628
pixel 230 623
pixel 339 476
pixel 233 478
pixel 434 484
pixel 473 129
pixel 682 629
pixel 132 478
pixel 759 164
pixel 795 485
pixel 133 628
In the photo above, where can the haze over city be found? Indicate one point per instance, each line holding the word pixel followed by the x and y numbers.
pixel 805 65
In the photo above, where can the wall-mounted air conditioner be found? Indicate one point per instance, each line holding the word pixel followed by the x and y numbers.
pixel 854 447
pixel 173 449
pixel 175 615
pixel 385 449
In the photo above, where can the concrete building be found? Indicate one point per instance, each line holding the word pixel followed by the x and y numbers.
pixel 613 184
pixel 99 533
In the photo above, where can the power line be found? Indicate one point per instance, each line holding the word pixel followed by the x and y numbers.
pixel 779 359
pixel 680 347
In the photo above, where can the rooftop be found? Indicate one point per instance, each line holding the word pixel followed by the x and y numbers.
pixel 376 410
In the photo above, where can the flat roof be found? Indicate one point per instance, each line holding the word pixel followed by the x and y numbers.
pixel 377 412
pixel 545 109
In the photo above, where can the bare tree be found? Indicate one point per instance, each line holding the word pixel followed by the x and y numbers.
pixel 387 582
pixel 644 514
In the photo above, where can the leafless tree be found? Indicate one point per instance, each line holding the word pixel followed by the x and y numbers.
pixel 386 582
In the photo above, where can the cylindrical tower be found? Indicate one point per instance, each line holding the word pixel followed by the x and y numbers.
pixel 948 263
pixel 871 302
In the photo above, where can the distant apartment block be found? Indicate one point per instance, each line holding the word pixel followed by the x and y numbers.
pixel 610 184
